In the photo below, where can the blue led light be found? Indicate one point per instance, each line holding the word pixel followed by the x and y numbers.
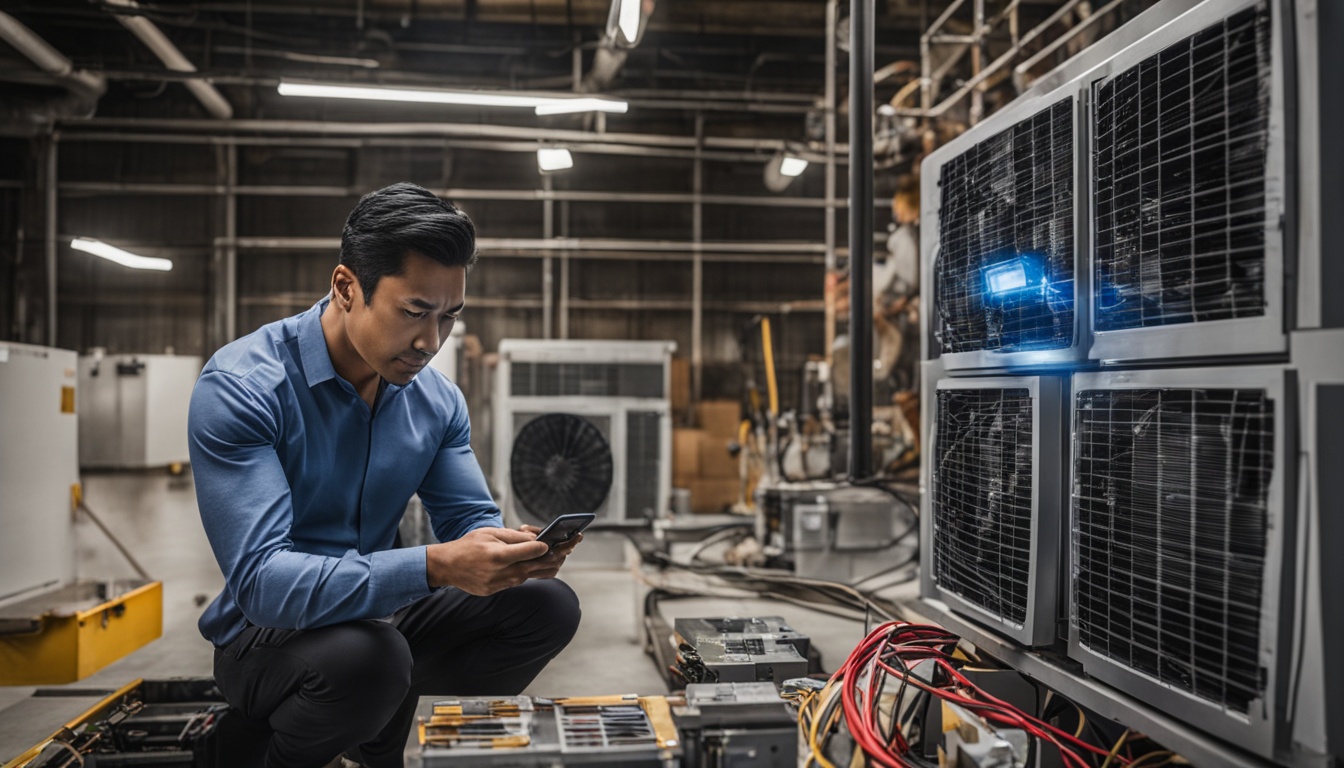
pixel 1006 276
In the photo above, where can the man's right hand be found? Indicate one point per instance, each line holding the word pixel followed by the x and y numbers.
pixel 485 561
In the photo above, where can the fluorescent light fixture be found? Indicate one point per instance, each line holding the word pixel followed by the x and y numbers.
pixel 554 159
pixel 628 18
pixel 553 105
pixel 99 248
pixel 792 166
pixel 1006 276
pixel 569 106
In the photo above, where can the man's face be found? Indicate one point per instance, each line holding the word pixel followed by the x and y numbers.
pixel 410 316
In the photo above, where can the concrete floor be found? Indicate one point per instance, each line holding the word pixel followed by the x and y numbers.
pixel 155 515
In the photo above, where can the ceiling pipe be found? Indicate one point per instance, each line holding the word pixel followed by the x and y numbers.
pixel 172 58
pixel 47 58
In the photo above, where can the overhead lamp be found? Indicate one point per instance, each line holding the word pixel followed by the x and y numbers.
pixel 124 258
pixel 781 170
pixel 792 166
pixel 570 106
pixel 624 22
pixel 461 98
pixel 554 159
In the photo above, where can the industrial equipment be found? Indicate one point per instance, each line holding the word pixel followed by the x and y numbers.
pixel 133 410
pixel 620 387
pixel 736 725
pixel 57 625
pixel 835 531
pixel 1182 518
pixel 736 649
pixel 1200 216
pixel 992 510
pixel 524 732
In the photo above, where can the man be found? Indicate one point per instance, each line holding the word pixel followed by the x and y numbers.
pixel 307 438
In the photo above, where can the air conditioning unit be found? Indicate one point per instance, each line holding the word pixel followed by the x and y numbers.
pixel 1000 238
pixel 1183 534
pixel 1191 178
pixel 993 500
pixel 620 387
pixel 133 409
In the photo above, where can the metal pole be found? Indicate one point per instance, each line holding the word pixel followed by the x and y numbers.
pixel 564 272
pixel 547 267
pixel 860 237
pixel 697 264
pixel 832 12
pixel 230 265
pixel 52 185
pixel 977 52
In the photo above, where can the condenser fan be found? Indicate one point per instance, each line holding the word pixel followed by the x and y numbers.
pixel 560 464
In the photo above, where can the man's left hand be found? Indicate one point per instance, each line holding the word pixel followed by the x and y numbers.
pixel 556 556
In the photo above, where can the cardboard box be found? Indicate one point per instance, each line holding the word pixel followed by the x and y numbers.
pixel 681 384
pixel 715 461
pixel 711 496
pixel 719 417
pixel 686 454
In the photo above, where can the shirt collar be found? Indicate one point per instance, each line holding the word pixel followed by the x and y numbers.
pixel 317 366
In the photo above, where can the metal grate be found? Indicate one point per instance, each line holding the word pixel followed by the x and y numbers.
pixel 1180 165
pixel 1004 275
pixel 982 502
pixel 587 727
pixel 603 424
pixel 643 451
pixel 586 379
pixel 1170 500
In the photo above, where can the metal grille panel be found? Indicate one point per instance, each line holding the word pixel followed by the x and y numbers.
pixel 1004 275
pixel 1180 166
pixel 1170 512
pixel 603 423
pixel 643 450
pixel 527 379
pixel 982 503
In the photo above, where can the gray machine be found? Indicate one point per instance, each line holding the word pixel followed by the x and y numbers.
pixel 133 410
pixel 836 531
pixel 736 725
pixel 746 649
pixel 1180 281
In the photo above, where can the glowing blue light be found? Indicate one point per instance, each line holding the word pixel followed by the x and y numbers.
pixel 1006 276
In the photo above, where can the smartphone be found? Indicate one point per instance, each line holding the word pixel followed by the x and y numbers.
pixel 565 527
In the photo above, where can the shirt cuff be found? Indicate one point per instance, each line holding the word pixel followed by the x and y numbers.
pixel 400 575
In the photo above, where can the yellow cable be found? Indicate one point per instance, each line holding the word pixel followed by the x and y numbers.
pixel 770 385
pixel 1116 749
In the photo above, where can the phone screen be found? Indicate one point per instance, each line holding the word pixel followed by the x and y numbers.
pixel 564 528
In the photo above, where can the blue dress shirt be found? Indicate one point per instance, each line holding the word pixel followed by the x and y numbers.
pixel 301 485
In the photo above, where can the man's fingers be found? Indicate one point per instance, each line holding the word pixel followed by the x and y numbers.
pixel 510 536
pixel 568 546
pixel 532 529
pixel 529 549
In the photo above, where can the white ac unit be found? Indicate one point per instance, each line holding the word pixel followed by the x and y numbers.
pixel 133 409
pixel 621 387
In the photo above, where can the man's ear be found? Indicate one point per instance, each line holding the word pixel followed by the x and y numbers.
pixel 344 286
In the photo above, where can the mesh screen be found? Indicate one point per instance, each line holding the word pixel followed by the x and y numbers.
pixel 643 447
pixel 586 379
pixel 1179 164
pixel 593 727
pixel 982 510
pixel 1007 205
pixel 1170 499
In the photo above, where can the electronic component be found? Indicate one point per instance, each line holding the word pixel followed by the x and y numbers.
pixel 736 725
pixel 742 650
pixel 575 732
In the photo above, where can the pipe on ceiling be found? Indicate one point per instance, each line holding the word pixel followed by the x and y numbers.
pixel 47 58
pixel 157 42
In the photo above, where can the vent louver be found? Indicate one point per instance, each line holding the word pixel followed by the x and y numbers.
pixel 531 379
pixel 1170 516
pixel 982 502
pixel 1005 266
pixel 1179 165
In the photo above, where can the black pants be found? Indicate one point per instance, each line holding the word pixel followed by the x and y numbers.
pixel 316 693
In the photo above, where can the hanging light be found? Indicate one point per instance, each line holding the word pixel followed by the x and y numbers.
pixel 124 258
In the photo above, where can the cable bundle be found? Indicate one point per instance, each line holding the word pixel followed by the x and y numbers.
pixel 888 655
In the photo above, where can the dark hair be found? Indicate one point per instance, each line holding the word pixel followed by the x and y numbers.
pixel 388 224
